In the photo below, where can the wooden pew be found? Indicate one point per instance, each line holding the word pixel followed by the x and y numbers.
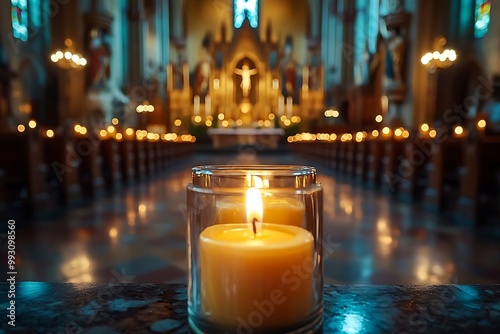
pixel 392 175
pixel 90 165
pixel 443 174
pixel 414 166
pixel 24 188
pixel 111 169
pixel 375 154
pixel 479 186
pixel 341 159
pixel 127 161
pixel 350 159
pixel 160 155
pixel 63 162
pixel 332 153
pixel 140 158
pixel 362 165
pixel 150 157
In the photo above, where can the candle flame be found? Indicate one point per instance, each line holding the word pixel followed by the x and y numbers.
pixel 254 209
pixel 257 181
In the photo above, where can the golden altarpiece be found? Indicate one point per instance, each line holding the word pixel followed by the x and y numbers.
pixel 246 79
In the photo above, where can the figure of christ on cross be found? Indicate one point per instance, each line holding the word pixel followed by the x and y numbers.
pixel 246 73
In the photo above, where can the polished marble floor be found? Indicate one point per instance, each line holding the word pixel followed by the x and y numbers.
pixel 138 235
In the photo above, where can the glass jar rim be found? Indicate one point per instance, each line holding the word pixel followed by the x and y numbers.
pixel 214 175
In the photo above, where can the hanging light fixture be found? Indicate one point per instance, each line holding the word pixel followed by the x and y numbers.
pixel 68 58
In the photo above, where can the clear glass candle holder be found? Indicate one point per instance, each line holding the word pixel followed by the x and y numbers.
pixel 254 271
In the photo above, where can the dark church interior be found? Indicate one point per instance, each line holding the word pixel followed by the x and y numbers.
pixel 106 106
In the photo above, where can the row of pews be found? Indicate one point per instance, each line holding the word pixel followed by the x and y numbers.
pixel 456 176
pixel 39 175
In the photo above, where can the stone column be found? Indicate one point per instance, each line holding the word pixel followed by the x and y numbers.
pixel 176 17
pixel 137 38
pixel 68 23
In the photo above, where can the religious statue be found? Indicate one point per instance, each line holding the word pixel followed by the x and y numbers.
pixel 178 73
pixel 288 68
pixel 246 82
pixel 394 61
pixel 289 79
pixel 204 69
pixel 100 56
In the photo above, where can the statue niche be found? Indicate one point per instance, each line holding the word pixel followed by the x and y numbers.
pixel 246 80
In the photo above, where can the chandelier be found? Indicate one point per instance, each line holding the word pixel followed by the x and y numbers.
pixel 68 58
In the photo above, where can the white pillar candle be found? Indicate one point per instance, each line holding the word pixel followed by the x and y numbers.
pixel 281 105
pixel 185 68
pixel 208 105
pixel 196 103
pixel 305 78
pixel 289 106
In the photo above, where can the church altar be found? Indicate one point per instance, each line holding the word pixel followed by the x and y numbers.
pixel 227 137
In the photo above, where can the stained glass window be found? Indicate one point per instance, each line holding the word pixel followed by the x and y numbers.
pixel 19 13
pixel 246 9
pixel 482 20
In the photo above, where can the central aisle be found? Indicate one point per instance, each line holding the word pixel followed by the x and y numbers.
pixel 139 235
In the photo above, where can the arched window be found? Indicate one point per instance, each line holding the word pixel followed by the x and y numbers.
pixel 19 15
pixel 246 9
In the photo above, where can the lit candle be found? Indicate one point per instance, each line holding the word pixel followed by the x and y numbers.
pixel 281 105
pixel 289 106
pixel 170 76
pixel 185 68
pixel 305 78
pixel 208 105
pixel 256 275
pixel 196 102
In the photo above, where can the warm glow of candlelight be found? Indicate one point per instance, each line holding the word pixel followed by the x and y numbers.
pixel 459 130
pixel 32 124
pixel 424 127
pixel 375 133
pixel 432 133
pixel 386 130
pixel 49 133
pixel 254 209
pixel 481 124
pixel 21 128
